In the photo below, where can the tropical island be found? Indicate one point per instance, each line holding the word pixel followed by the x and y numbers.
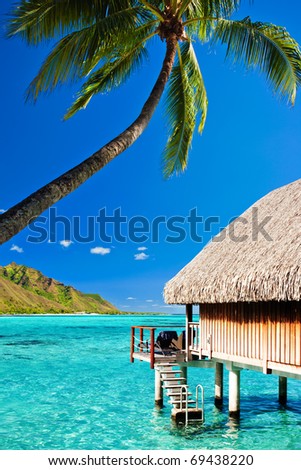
pixel 25 290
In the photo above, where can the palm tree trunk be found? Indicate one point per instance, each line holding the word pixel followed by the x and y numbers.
pixel 26 211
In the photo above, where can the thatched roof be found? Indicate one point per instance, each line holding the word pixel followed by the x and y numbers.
pixel 256 268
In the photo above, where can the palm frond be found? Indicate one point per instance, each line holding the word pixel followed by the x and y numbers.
pixel 208 8
pixel 157 12
pixel 201 28
pixel 181 114
pixel 200 16
pixel 266 46
pixel 112 74
pixel 192 68
pixel 79 52
pixel 37 20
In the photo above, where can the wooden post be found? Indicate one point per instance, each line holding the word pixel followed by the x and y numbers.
pixel 187 336
pixel 234 393
pixel 141 339
pixel 219 385
pixel 132 344
pixel 152 348
pixel 282 390
pixel 158 389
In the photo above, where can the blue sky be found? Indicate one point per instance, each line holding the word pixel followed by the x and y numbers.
pixel 251 144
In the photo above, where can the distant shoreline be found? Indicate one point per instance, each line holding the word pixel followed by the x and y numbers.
pixel 80 314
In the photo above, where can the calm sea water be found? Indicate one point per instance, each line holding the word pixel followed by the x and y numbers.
pixel 66 383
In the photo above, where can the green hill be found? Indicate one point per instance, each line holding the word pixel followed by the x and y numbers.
pixel 26 290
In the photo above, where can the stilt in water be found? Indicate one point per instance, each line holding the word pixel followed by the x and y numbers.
pixel 282 390
pixel 219 385
pixel 234 393
pixel 158 389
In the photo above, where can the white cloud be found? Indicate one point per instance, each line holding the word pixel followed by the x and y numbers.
pixel 16 248
pixel 65 243
pixel 149 301
pixel 99 250
pixel 140 256
pixel 131 298
pixel 174 307
pixel 2 211
pixel 142 248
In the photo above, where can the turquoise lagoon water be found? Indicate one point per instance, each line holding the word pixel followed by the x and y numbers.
pixel 66 383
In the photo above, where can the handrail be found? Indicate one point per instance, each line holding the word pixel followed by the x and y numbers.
pixel 147 327
pixel 140 345
pixel 138 341
pixel 185 388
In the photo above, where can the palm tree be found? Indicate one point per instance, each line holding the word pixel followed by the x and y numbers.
pixel 103 41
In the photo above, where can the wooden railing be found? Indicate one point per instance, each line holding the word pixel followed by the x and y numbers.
pixel 147 346
pixel 193 345
pixel 140 342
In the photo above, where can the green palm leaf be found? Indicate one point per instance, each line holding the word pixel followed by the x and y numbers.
pixel 191 65
pixel 181 113
pixel 208 8
pixel 37 20
pixel 186 99
pixel 200 16
pixel 114 72
pixel 266 46
pixel 79 52
pixel 156 10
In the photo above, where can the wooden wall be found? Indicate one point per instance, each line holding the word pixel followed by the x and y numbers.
pixel 266 331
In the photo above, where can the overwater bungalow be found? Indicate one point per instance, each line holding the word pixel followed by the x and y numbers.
pixel 246 284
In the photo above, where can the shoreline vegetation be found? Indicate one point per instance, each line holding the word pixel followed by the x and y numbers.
pixel 88 314
pixel 25 290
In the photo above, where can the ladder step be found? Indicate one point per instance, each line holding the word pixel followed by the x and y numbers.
pixel 178 402
pixel 169 372
pixel 173 386
pixel 177 394
pixel 166 364
pixel 172 379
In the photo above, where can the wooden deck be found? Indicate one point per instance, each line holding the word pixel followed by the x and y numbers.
pixel 145 348
pixel 158 358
